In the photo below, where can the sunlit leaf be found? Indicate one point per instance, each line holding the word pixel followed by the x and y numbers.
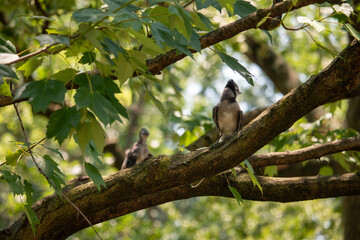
pixel 352 31
pixel 345 8
pixel 317 25
pixel 147 42
pixel 65 75
pixel 271 171
pixel 6 58
pixel 30 66
pixel 5 89
pixel 326 171
pixel 90 130
pixel 294 2
pixel 95 175
pixel 12 157
pixel 228 5
pixel 262 21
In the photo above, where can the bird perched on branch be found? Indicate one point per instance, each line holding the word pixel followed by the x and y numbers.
pixel 138 152
pixel 227 114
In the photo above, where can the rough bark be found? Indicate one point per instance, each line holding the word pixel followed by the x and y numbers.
pixel 313 152
pixel 127 187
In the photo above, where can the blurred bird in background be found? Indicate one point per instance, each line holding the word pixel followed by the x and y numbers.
pixel 227 114
pixel 138 152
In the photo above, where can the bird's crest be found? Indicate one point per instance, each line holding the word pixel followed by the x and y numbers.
pixel 233 86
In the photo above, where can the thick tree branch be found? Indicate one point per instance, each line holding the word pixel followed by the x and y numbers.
pixel 274 189
pixel 312 152
pixel 337 81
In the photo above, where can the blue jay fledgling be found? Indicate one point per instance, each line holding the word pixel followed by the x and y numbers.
pixel 227 114
pixel 138 152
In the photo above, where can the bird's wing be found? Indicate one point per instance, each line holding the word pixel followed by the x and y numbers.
pixel 130 157
pixel 240 120
pixel 215 116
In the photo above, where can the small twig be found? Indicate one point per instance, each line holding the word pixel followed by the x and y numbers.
pixel 293 29
pixel 42 172
pixel 187 4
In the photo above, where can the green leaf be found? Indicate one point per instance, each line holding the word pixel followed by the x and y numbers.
pixel 243 8
pixel 352 31
pixel 87 58
pixel 51 170
pixel 42 93
pixel 158 104
pixel 6 46
pixel 30 66
pixel 228 5
pixel 269 35
pixel 326 171
pixel 236 194
pixel 111 47
pixel 90 130
pixel 5 89
pixel 45 39
pixel 262 21
pixel 294 2
pixel 31 215
pixel 202 22
pixel 12 157
pixel 233 171
pixel 42 18
pixel 56 151
pixel 148 43
pixel 65 75
pixel 317 25
pixel 236 66
pixel 184 25
pixel 29 193
pixel 89 15
pixel 99 104
pixel 95 175
pixel 271 171
pixel 5 71
pixel 345 9
pixel 14 181
pixel 6 58
pixel 246 164
pixel 124 5
pixel 61 122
